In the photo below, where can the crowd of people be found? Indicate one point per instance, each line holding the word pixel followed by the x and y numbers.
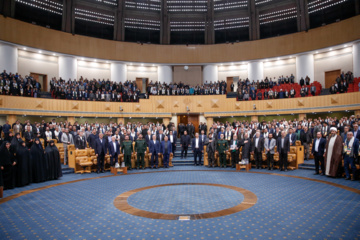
pixel 253 137
pixel 21 165
pixel 272 88
pixel 212 88
pixel 16 85
pixel 344 83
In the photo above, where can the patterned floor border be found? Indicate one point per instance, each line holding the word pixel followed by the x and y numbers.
pixel 6 199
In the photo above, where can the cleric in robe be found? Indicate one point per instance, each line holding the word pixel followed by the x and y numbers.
pixel 333 153
pixel 38 162
pixel 23 163
pixel 52 157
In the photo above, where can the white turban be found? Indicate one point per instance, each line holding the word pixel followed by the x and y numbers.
pixel 333 129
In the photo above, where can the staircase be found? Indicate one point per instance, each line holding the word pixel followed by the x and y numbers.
pixel 308 165
pixel 177 161
pixel 66 170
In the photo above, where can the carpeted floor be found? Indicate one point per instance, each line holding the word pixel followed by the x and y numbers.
pixel 286 208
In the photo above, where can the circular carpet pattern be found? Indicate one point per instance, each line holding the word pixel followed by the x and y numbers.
pixel 286 208
pixel 185 199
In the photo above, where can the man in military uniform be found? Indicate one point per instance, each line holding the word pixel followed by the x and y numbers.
pixel 126 148
pixel 222 146
pixel 140 149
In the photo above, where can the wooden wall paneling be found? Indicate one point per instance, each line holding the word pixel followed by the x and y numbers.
pixel 163 106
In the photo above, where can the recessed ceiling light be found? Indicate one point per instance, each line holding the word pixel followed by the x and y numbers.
pixel 107 61
pixel 153 65
pixel 142 64
pixel 95 60
pixel 54 54
pixel 82 59
pixel 330 49
pixel 317 52
pixel 278 59
pixel 232 64
pixel 345 45
pixel 24 48
pixel 40 51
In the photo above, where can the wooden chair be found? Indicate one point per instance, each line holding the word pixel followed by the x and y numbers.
pixel 264 160
pixel 83 161
pixel 298 143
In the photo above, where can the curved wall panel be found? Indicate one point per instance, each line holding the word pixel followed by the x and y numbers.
pixel 47 39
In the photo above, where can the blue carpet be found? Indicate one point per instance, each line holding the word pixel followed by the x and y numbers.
pixel 185 199
pixel 287 208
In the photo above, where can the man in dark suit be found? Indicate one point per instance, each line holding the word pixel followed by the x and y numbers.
pixel 356 131
pixel 148 137
pixel 292 137
pixel 29 137
pixel 277 133
pixel 317 150
pixel 92 138
pixel 114 151
pixel 198 148
pixel 166 149
pixel 100 151
pixel 203 136
pixel 234 150
pixel 160 136
pixel 184 143
pixel 283 147
pixel 172 138
pixel 257 148
pixel 80 142
pixel 154 151
pixel 351 151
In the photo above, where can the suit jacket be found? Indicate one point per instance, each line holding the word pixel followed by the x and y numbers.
pixel 270 144
pixel 203 138
pixel 162 147
pixel 355 147
pixel 246 148
pixel 185 140
pixel 146 137
pixel 260 147
pixel 356 134
pixel 112 151
pixel 158 137
pixel 293 138
pixel 100 147
pixel 80 143
pixel 92 140
pixel 321 148
pixel 174 138
pixel 28 136
pixel 238 144
pixel 67 138
pixel 154 147
pixel 286 144
pixel 201 144
pixel 277 135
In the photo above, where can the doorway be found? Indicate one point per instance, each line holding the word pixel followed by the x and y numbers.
pixel 142 84
pixel 42 79
pixel 186 118
pixel 330 77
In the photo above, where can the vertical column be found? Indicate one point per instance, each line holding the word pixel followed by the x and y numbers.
pixel 256 71
pixel 11 118
pixel 254 25
pixel 209 123
pixel 164 24
pixel 255 118
pixel 209 23
pixel 67 68
pixel 165 74
pixel 357 113
pixel 119 28
pixel 302 15
pixel 71 119
pixel 118 72
pixel 166 121
pixel 9 59
pixel 302 116
pixel 356 59
pixel 210 73
pixel 305 67
pixel 121 120
pixel 68 17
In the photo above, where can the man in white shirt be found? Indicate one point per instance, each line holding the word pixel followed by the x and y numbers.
pixel 197 147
